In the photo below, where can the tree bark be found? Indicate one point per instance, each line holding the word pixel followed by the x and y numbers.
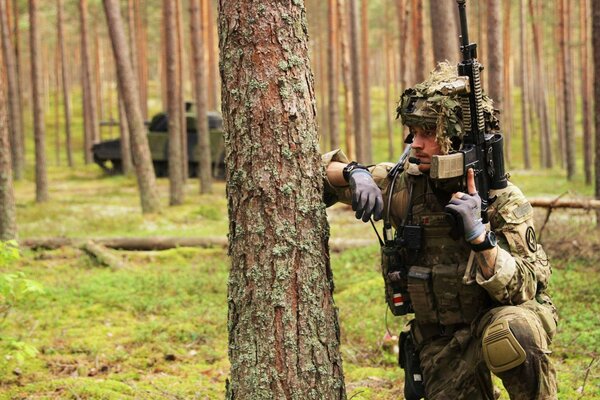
pixel 506 115
pixel 141 40
pixel 8 224
pixel 403 34
pixel 588 154
pixel 89 104
pixel 444 30
pixel 65 82
pixel 173 105
pixel 126 162
pixel 15 125
pixel 348 95
pixel 283 328
pixel 41 180
pixel 388 99
pixel 139 142
pixel 495 74
pixel 332 74
pixel 524 94
pixel 596 55
pixel 181 64
pixel 356 77
pixel 568 106
pixel 204 157
pixel 213 75
pixel 418 41
pixel 366 96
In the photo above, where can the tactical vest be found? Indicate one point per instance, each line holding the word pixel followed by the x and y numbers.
pixel 434 285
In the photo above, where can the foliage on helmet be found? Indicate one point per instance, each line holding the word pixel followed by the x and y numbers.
pixel 432 106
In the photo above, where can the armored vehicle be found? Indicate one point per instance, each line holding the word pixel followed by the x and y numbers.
pixel 107 154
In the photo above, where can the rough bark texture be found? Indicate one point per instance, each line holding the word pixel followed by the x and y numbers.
pixel 332 75
pixel 41 180
pixel 196 32
pixel 173 105
pixel 90 116
pixel 495 76
pixel 596 51
pixel 283 328
pixel 418 41
pixel 348 117
pixel 444 31
pixel 366 95
pixel 65 82
pixel 8 225
pixel 15 125
pixel 126 162
pixel 139 142
pixel 357 93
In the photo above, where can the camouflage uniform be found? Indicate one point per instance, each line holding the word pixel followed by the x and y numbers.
pixel 461 318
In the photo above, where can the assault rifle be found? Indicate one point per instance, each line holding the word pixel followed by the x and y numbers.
pixel 481 149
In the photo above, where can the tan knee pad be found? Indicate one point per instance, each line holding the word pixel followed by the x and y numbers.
pixel 501 349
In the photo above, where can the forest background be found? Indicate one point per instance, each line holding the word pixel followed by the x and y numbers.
pixel 153 324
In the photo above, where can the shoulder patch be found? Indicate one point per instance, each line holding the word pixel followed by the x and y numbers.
pixel 523 210
pixel 531 239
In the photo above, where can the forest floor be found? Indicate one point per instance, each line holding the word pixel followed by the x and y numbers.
pixel 157 328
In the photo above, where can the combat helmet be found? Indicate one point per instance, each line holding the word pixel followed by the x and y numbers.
pixel 434 104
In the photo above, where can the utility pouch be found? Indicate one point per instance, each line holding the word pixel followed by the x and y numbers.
pixel 408 359
pixel 395 279
pixel 421 294
pixel 445 289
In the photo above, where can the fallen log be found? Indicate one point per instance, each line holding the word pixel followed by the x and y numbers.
pixel 164 243
pixel 101 254
pixel 587 204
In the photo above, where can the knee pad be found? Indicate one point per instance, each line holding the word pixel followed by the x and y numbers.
pixel 501 349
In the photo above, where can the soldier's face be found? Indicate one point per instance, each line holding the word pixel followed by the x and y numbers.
pixel 424 146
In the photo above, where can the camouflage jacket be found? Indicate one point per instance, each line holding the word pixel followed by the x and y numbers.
pixel 522 269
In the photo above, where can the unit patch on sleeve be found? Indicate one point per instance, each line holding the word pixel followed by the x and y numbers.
pixel 530 239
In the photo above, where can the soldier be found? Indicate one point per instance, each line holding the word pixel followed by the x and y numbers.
pixel 479 300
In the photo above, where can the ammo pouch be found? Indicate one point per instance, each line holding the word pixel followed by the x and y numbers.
pixel 394 274
pixel 408 358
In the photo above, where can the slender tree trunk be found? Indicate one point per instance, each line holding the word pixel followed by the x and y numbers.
pixel 388 99
pixel 89 98
pixel 98 79
pixel 174 104
pixel 332 74
pixel 348 95
pixel 507 111
pixel 357 93
pixel 41 180
pixel 444 30
pixel 213 75
pixel 283 328
pixel 139 142
pixel 524 94
pixel 495 74
pixel 14 107
pixel 56 108
pixel 8 224
pixel 596 55
pixel 366 97
pixel 560 65
pixel 402 29
pixel 20 78
pixel 588 155
pixel 564 49
pixel 65 82
pixel 163 66
pixel 142 54
pixel 126 162
pixel 203 152
pixel 418 41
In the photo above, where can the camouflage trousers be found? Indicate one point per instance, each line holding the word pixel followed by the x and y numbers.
pixel 454 367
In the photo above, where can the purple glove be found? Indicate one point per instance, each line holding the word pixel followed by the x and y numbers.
pixel 467 212
pixel 366 195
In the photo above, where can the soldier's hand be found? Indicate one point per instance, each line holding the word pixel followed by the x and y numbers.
pixel 466 209
pixel 367 200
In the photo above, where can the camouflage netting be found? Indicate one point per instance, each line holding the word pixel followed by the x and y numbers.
pixel 427 106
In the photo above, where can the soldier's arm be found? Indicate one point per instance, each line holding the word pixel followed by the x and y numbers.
pixel 512 271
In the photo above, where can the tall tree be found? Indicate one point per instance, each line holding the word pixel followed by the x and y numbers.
pixel 41 179
pixel 174 104
pixel 596 55
pixel 401 16
pixel 139 142
pixel 524 94
pixel 126 162
pixel 588 154
pixel 332 74
pixel 65 81
pixel 507 122
pixel 14 107
pixel 181 67
pixel 90 116
pixel 8 225
pixel 418 41
pixel 346 75
pixel 444 30
pixel 357 93
pixel 495 74
pixel 213 76
pixel 283 329
pixel 366 96
pixel 568 105
pixel 203 153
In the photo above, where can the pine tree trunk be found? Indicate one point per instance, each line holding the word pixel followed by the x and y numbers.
pixel 56 107
pixel 332 74
pixel 125 136
pixel 139 142
pixel 568 106
pixel 89 103
pixel 507 110
pixel 14 107
pixel 494 61
pixel 20 77
pixel 141 40
pixel 588 155
pixel 173 105
pixel 346 75
pixel 356 75
pixel 181 64
pixel 366 97
pixel 213 74
pixel 65 82
pixel 8 224
pixel 418 41
pixel 203 153
pixel 524 94
pixel 596 55
pixel 444 31
pixel 41 180
pixel 388 99
pixel 283 328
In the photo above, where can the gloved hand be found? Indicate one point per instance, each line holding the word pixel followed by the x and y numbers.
pixel 367 199
pixel 466 209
